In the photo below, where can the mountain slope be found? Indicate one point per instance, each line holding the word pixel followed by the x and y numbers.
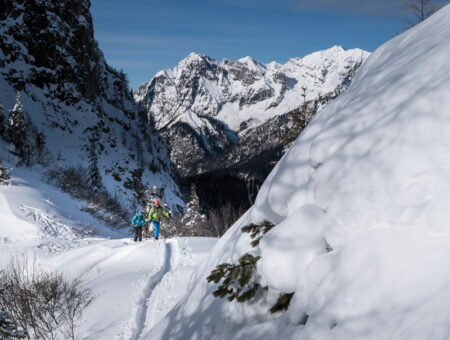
pixel 69 92
pixel 360 204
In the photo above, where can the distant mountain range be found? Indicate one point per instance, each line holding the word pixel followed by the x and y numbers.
pixel 224 121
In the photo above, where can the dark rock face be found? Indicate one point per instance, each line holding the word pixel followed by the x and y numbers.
pixel 57 38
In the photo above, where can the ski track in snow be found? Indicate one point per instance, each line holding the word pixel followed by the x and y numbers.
pixel 171 256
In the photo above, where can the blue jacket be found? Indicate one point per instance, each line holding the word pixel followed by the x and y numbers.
pixel 139 220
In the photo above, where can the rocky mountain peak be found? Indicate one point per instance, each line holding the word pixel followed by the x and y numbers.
pixel 236 91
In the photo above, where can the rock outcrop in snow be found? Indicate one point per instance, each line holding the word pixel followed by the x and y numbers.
pixel 361 202
pixel 71 95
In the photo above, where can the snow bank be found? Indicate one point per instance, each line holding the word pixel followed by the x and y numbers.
pixel 362 203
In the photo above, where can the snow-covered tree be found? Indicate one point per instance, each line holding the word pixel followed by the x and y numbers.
pixel 419 10
pixel 238 281
pixel 194 221
pixel 194 204
pixel 4 174
pixel 17 130
pixel 2 120
pixel 151 195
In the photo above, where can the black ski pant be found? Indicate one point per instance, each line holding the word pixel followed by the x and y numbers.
pixel 137 234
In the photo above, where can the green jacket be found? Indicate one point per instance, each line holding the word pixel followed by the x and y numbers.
pixel 155 214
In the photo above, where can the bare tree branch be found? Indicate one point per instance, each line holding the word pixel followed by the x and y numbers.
pixel 419 10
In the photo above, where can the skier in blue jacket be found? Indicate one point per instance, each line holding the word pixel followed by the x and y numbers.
pixel 138 222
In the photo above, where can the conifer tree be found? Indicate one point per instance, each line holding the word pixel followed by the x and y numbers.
pixel 194 204
pixel 17 130
pixel 4 174
pixel 238 281
pixel 194 219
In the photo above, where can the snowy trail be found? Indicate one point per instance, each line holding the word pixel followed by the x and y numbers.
pixel 170 262
pixel 134 285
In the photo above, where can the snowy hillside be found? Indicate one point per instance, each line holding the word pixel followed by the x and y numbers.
pixel 78 102
pixel 361 208
pixel 133 285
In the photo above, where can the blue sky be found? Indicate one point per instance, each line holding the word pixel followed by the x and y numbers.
pixel 145 36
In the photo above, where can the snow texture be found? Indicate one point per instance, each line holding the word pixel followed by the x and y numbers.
pixel 361 202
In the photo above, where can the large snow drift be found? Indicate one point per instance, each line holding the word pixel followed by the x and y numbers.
pixel 362 207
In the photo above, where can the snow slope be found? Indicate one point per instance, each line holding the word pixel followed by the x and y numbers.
pixel 134 285
pixel 361 205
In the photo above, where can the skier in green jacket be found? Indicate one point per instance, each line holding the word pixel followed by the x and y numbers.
pixel 155 217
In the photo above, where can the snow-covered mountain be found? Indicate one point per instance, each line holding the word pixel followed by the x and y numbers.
pixel 245 91
pixel 69 92
pixel 229 118
pixel 360 204
pixel 219 102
